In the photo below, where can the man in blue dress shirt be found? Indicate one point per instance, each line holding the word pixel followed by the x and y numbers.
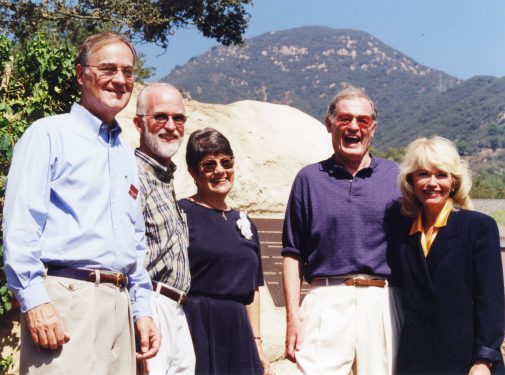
pixel 74 231
pixel 334 236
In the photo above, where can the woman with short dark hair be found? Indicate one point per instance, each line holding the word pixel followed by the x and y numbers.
pixel 225 264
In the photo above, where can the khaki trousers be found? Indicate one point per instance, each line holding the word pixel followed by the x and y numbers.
pixel 349 329
pixel 98 320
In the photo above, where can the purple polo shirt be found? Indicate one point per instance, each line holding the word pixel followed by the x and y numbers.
pixel 336 223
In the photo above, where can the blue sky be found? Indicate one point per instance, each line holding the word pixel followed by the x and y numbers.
pixel 459 37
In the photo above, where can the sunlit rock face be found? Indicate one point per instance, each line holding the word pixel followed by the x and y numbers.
pixel 271 143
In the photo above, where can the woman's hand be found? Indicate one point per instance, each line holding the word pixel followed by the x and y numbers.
pixel 265 363
pixel 480 368
pixel 253 313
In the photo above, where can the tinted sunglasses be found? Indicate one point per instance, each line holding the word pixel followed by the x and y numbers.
pixel 345 119
pixel 211 164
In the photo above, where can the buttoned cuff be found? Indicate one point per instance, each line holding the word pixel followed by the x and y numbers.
pixel 141 303
pixel 32 296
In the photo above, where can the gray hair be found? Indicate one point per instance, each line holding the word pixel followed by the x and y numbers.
pixel 99 40
pixel 350 92
pixel 141 99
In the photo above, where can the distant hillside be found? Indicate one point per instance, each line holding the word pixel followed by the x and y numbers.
pixel 471 113
pixel 305 67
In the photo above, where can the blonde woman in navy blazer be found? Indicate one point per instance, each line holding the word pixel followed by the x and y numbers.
pixel 449 266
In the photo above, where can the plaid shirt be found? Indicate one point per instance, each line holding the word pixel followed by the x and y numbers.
pixel 166 225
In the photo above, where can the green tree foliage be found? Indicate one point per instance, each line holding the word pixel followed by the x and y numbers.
pixel 143 20
pixel 392 153
pixel 499 216
pixel 5 363
pixel 466 148
pixel 489 184
pixel 37 80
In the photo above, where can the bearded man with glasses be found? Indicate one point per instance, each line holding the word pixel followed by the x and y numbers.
pixel 335 237
pixel 160 120
pixel 74 232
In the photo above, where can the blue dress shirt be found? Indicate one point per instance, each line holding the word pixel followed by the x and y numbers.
pixel 71 201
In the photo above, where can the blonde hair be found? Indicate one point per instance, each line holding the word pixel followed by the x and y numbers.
pixel 440 153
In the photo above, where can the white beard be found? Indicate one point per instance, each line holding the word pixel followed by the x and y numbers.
pixel 159 148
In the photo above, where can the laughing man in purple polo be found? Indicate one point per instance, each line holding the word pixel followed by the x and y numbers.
pixel 334 236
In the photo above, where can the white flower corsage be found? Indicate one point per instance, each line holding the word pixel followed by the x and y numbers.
pixel 245 225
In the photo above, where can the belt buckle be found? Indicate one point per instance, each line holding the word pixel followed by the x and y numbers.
pixel 179 301
pixel 357 281
pixel 120 281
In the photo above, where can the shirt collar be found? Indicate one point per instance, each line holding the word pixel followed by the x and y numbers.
pixel 163 172
pixel 93 125
pixel 441 221
pixel 336 169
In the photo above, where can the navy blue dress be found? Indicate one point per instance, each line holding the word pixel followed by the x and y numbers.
pixel 225 272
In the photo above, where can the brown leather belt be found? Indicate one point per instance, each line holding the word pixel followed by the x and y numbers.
pixel 180 298
pixel 117 278
pixel 353 281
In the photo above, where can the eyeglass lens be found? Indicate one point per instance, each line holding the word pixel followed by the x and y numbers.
pixel 364 121
pixel 112 70
pixel 211 165
pixel 162 118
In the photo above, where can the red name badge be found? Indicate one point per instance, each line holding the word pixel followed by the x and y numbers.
pixel 133 191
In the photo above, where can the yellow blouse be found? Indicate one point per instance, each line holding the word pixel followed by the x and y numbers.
pixel 417 226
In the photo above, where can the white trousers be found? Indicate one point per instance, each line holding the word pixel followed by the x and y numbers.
pixel 349 329
pixel 176 354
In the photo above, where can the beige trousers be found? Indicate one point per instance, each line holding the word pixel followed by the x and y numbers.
pixel 98 320
pixel 349 329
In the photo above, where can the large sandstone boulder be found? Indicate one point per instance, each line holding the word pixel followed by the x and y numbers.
pixel 271 143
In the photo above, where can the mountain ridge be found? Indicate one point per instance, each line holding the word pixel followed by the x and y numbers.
pixel 304 67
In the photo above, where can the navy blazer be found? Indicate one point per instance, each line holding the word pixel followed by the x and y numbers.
pixel 453 299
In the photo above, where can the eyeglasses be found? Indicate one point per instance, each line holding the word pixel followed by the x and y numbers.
pixel 162 118
pixel 345 119
pixel 111 70
pixel 211 164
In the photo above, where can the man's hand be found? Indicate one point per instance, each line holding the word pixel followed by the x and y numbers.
pixel 292 283
pixel 294 338
pixel 149 337
pixel 46 326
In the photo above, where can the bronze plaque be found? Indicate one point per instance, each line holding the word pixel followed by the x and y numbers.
pixel 270 233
